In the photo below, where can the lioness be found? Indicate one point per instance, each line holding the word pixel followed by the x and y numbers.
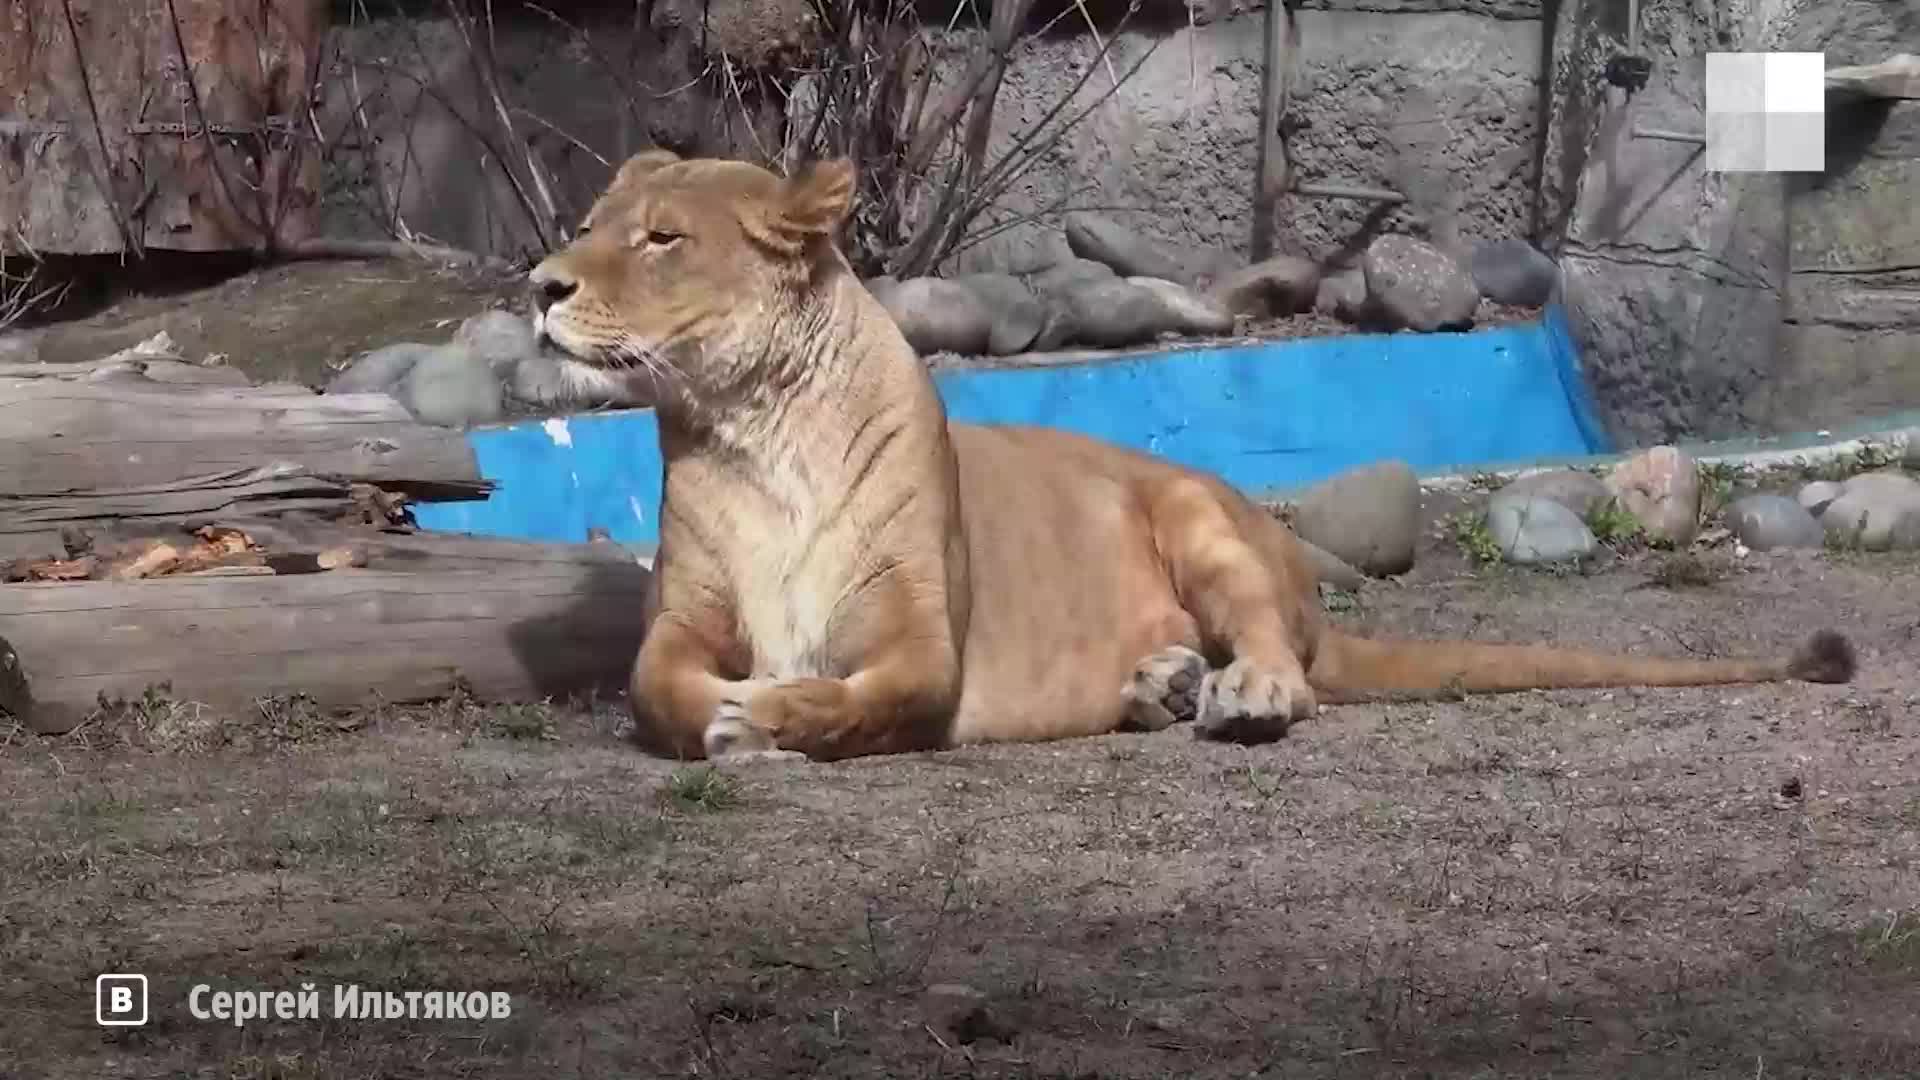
pixel 844 572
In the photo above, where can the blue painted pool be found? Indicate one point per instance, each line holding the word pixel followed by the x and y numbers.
pixel 1268 417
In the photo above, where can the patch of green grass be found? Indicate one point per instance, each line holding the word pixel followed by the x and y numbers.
pixel 531 721
pixel 1893 941
pixel 702 788
pixel 1615 526
pixel 1864 458
pixel 1339 600
pixel 1469 532
pixel 1718 479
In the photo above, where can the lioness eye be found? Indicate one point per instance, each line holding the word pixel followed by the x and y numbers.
pixel 661 237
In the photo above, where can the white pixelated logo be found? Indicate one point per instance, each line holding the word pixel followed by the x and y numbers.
pixel 1766 112
pixel 120 1000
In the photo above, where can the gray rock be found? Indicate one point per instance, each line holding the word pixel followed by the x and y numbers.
pixel 1018 315
pixel 380 370
pixel 1817 495
pixel 881 287
pixel 939 316
pixel 1120 248
pixel 1765 522
pixel 1889 483
pixel 501 338
pixel 1905 535
pixel 1114 314
pixel 536 380
pixel 1576 489
pixel 1058 330
pixel 1535 529
pixel 1281 286
pixel 452 387
pixel 1367 517
pixel 1870 509
pixel 1343 296
pixel 1066 276
pixel 1187 311
pixel 1910 454
pixel 1512 271
pixel 19 346
pixel 1330 568
pixel 1416 286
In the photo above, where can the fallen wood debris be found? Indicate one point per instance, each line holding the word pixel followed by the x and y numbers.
pixel 207 549
pixel 162 525
pixel 344 619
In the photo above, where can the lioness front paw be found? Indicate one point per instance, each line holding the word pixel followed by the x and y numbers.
pixel 1164 689
pixel 731 737
pixel 1244 703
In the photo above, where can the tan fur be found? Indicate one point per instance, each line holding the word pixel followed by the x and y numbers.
pixel 843 572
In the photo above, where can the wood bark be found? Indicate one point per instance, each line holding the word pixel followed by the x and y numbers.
pixel 512 621
pixel 74 433
pixel 265 491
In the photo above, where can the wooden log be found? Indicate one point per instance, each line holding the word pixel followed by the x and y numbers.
pixel 276 488
pixel 512 621
pixel 163 371
pixel 1898 76
pixel 64 435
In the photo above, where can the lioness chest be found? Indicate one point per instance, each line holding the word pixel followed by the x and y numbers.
pixel 789 582
pixel 783 614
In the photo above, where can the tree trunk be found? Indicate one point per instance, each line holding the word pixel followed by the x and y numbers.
pixel 511 621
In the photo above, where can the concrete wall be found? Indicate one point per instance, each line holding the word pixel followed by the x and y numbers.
pixel 1712 305
pixel 1704 305
pixel 584 88
pixel 1436 99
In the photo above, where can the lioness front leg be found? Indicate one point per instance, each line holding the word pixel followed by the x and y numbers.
pixel 1243 605
pixel 901 702
pixel 677 691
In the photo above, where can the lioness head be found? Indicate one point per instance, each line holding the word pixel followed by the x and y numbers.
pixel 687 276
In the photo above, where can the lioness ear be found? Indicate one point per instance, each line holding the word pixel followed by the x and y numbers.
pixel 641 165
pixel 815 200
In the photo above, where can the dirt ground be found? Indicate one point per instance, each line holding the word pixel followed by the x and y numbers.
pixel 1698 882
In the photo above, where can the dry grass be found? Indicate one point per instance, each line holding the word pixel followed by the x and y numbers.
pixel 1696 882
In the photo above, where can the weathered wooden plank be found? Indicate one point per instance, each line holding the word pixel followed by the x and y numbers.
pixel 535 621
pixel 59 435
pixel 279 487
pixel 162 372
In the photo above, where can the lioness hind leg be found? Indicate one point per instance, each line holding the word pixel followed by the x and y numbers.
pixel 1245 604
pixel 1164 690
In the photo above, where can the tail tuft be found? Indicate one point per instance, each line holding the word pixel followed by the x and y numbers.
pixel 1827 657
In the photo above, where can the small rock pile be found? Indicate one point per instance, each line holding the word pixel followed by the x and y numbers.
pixel 1551 517
pixel 491 369
pixel 1118 290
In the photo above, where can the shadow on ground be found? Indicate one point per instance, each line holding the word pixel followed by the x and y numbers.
pixel 1715 882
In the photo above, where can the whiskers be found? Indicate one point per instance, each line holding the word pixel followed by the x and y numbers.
pixel 629 354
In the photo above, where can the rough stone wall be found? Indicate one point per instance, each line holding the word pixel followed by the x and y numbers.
pixel 586 87
pixel 1684 285
pixel 1438 100
pixel 1851 341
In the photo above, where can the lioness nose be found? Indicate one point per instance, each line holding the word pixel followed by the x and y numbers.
pixel 550 287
